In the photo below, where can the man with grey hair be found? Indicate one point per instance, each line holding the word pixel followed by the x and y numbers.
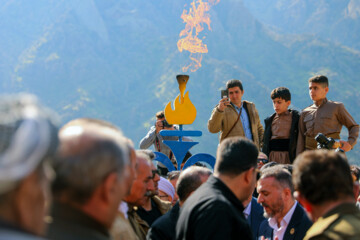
pixel 189 180
pixel 89 183
pixel 217 203
pixel 142 186
pixel 28 143
pixel 286 218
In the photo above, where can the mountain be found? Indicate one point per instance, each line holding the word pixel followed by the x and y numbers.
pixel 333 20
pixel 117 60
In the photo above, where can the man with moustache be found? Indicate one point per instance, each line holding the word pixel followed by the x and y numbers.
pixel 286 218
pixel 140 188
pixel 153 207
pixel 324 116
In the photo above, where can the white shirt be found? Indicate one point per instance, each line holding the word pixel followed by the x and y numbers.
pixel 124 208
pixel 280 231
pixel 247 210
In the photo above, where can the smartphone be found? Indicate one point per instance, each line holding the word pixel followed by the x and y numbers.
pixel 224 94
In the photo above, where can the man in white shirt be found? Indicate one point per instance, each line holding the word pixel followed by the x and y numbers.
pixel 286 218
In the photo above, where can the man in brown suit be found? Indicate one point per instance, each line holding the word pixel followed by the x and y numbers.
pixel 324 116
pixel 234 117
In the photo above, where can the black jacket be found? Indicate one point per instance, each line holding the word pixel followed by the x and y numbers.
pixel 256 216
pixel 293 134
pixel 164 227
pixel 72 224
pixel 212 212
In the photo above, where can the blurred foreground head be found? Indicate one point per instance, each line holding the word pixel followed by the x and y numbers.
pixel 28 142
pixel 321 178
pixel 92 168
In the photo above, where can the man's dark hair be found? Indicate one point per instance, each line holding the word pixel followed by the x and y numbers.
pixel 234 83
pixel 282 175
pixel 160 115
pixel 281 92
pixel 321 79
pixel 236 155
pixel 189 180
pixel 322 176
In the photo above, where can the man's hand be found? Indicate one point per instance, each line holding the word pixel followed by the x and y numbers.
pixel 223 103
pixel 345 146
pixel 159 126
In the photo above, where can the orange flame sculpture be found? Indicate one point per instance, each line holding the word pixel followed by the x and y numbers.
pixel 185 111
pixel 194 19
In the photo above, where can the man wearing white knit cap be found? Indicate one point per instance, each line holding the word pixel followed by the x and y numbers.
pixel 28 141
pixel 166 190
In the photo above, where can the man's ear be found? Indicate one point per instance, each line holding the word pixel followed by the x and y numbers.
pixel 108 187
pixel 303 202
pixel 288 103
pixel 326 90
pixel 248 175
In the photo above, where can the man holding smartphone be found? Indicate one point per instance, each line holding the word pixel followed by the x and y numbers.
pixel 234 117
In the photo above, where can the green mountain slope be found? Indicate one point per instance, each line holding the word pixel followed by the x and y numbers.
pixel 117 60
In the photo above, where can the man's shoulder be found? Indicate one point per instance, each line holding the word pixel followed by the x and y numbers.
pixel 248 103
pixel 6 234
pixel 338 225
pixel 206 197
pixel 163 206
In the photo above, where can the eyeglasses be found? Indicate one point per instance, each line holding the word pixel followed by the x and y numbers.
pixel 154 172
pixel 263 160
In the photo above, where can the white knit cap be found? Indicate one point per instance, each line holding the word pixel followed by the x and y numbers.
pixel 167 187
pixel 26 136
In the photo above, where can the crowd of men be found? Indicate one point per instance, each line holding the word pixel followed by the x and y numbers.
pixel 86 180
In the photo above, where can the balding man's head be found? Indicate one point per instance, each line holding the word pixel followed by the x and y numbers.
pixel 89 151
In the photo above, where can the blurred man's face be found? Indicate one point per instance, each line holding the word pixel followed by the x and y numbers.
pixel 270 197
pixel 235 95
pixel 280 105
pixel 36 190
pixel 130 172
pixel 141 183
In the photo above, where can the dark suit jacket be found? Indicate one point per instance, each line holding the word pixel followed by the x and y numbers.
pixel 256 216
pixel 296 230
pixel 164 227
pixel 212 212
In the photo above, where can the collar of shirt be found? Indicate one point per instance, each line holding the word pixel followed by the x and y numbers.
pixel 322 103
pixel 247 210
pixel 286 113
pixel 124 208
pixel 237 108
pixel 280 231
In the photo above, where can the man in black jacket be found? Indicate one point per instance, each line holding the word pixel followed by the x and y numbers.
pixel 215 211
pixel 281 129
pixel 189 180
